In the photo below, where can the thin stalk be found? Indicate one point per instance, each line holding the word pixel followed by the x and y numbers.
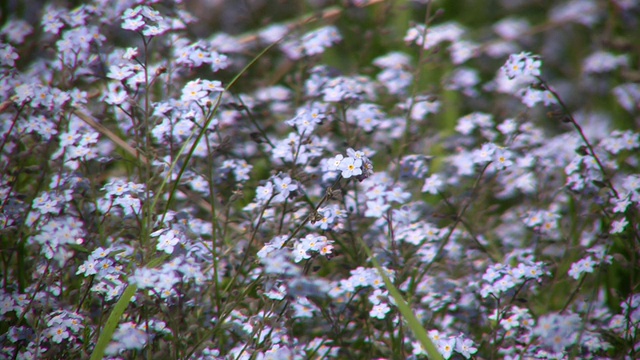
pixel 578 128
pixel 406 139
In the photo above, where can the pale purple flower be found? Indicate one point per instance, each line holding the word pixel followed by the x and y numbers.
pixel 350 167
pixel 465 347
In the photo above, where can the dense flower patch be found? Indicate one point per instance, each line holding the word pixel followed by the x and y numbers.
pixel 168 194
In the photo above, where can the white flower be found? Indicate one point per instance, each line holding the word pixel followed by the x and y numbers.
pixel 446 347
pixel 618 226
pixel 380 311
pixel 432 184
pixel 350 167
pixel 167 241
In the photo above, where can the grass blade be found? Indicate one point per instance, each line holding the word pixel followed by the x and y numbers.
pixel 414 324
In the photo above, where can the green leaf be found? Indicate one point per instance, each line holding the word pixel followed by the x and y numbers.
pixel 112 322
pixel 414 324
pixel 114 318
pixel 116 252
pixel 79 248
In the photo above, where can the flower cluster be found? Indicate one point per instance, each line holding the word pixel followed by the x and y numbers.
pixel 356 164
pixel 522 66
pixel 499 279
pixel 312 43
pixel 105 268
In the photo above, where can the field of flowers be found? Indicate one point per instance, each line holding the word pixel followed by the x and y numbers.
pixel 364 179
